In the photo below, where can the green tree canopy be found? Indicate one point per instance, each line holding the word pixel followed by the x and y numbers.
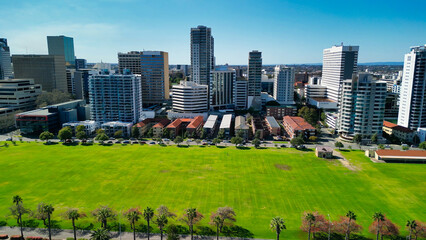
pixel 65 133
pixel 118 134
pixel 46 135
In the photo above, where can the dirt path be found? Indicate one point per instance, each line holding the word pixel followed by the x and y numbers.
pixel 344 161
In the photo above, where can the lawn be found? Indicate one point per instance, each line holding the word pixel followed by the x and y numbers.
pixel 258 183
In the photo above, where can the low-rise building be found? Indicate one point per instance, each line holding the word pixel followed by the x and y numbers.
pixel 278 112
pixel 324 152
pixel 273 127
pixel 226 125
pixel 195 126
pixel 408 156
pixel 211 125
pixel 403 133
pixel 147 124
pixel 112 127
pixel 257 126
pixel 180 125
pixel 297 126
pixel 158 129
pixel 421 132
pixel 241 126
pixel 89 126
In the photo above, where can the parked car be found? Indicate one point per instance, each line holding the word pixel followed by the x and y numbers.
pixel 109 142
pixel 283 146
pixel 117 142
pixel 152 143
pixel 8 139
pixel 142 142
pixel 135 142
pixel 126 142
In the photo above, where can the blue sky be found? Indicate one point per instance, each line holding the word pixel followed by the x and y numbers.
pixel 285 31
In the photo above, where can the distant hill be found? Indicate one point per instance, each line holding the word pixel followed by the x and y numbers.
pixel 382 63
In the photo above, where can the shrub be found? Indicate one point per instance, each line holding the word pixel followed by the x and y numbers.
pixel 3 223
pixel 70 238
pixel 30 223
pixel 205 231
pixel 34 238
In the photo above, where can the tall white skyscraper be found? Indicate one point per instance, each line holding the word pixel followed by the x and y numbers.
pixel 5 60
pixel 339 63
pixel 412 105
pixel 202 55
pixel 284 85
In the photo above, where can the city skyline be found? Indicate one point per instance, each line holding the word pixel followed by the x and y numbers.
pixel 286 32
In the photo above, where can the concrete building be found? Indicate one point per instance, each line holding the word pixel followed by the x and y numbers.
pixel 240 94
pixel 62 46
pixel 89 126
pixel 19 94
pixel 80 63
pixel 421 132
pixel 254 78
pixel 391 106
pixel 158 129
pixel 273 127
pixel 398 156
pixel 412 104
pixel 46 70
pixel 297 126
pixel 202 55
pixel 221 89
pixel 112 127
pixel 284 85
pixel 153 66
pixel 115 97
pixel 226 125
pixel 404 134
pixel 241 127
pixel 278 112
pixel 51 118
pixel 211 125
pixel 362 107
pixel 324 152
pixel 339 63
pixel 189 97
pixel 5 62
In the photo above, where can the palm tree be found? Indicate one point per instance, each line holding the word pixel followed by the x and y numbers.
pixel 161 222
pixel 148 213
pixel 191 217
pixel 277 224
pixel 411 225
pixel 17 200
pixel 310 217
pixel 102 214
pixel 74 215
pixel 216 221
pixel 100 234
pixel 48 209
pixel 379 218
pixel 351 216
pixel 133 215
pixel 219 217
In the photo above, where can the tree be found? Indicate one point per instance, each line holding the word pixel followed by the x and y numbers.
pixel 384 227
pixel 378 218
pixel 344 224
pixel 310 219
pixel 256 142
pixel 236 140
pixel 419 230
pixel 172 233
pixel 221 134
pixel 191 217
pixel 216 141
pixel 297 141
pixel 135 132
pixel 257 134
pixel 411 225
pixel 161 221
pixel 101 137
pixel 203 133
pixel 357 139
pixel 17 210
pixel 79 128
pixel 118 134
pixel 102 214
pixel 374 138
pixel 422 145
pixel 277 225
pixel 133 215
pixel 178 140
pixel 81 135
pixel 74 215
pixel 405 148
pixel 219 217
pixel 351 217
pixel 41 213
pixel 381 146
pixel 65 133
pixel 239 133
pixel 313 138
pixel 46 135
pixel 48 209
pixel 53 97
pixel 148 214
pixel 100 234
pixel 338 145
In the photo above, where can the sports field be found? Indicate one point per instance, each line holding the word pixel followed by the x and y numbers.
pixel 258 183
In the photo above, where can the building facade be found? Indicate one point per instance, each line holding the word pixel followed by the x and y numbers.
pixel 339 63
pixel 297 126
pixel 115 97
pixel 254 78
pixel 5 62
pixel 202 55
pixel 284 85
pixel 412 104
pixel 153 66
pixel 62 46
pixel 47 70
pixel 362 107
pixel 221 89
pixel 19 94
pixel 189 97
pixel 240 94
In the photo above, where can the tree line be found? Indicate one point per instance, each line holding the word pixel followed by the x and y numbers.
pixel 313 223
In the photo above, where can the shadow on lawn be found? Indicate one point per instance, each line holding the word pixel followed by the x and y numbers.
pixel 243 148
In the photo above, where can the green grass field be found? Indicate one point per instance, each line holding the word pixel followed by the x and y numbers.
pixel 258 183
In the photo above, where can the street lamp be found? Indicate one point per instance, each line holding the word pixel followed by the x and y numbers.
pixel 329 226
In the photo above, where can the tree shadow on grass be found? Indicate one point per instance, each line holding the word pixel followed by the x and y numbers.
pixel 201 146
pixel 306 150
pixel 243 148
pixel 344 150
pixel 183 146
pixel 163 145
pixel 220 146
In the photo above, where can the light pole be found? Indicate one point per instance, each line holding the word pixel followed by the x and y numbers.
pixel 329 226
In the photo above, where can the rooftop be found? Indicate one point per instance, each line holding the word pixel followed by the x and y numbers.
pixel 324 149
pixel 396 127
pixel 162 123
pixel 319 99
pixel 196 122
pixel 226 121
pixel 211 121
pixel 298 123
pixel 404 154
pixel 272 122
